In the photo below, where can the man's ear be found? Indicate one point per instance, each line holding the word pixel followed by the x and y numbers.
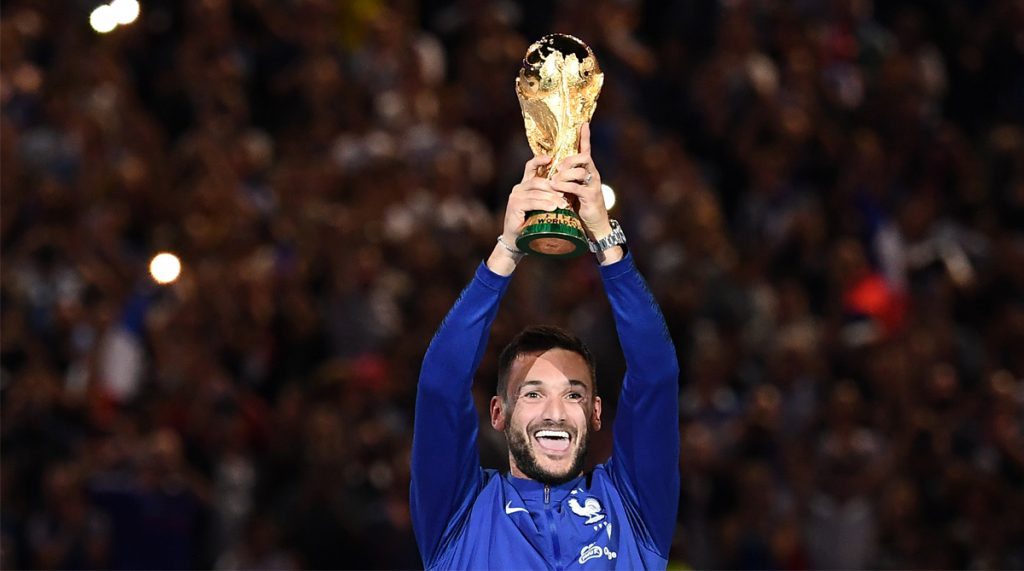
pixel 498 413
pixel 595 419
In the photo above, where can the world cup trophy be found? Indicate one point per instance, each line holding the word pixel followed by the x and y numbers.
pixel 557 86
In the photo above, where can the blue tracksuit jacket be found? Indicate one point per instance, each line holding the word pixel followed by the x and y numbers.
pixel 619 516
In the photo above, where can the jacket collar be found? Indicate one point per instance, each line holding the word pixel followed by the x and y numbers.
pixel 533 488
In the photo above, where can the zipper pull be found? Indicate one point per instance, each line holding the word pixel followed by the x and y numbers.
pixel 547 494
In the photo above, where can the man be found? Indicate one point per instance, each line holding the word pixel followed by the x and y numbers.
pixel 546 513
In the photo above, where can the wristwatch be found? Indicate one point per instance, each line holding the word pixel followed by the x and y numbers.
pixel 616 238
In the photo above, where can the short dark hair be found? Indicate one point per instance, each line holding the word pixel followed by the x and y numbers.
pixel 539 338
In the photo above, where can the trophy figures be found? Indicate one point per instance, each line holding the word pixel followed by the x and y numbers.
pixel 557 87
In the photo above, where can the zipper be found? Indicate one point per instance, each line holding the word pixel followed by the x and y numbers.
pixel 552 529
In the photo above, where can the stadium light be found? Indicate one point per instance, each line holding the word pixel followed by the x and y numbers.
pixel 125 11
pixel 105 17
pixel 165 268
pixel 609 196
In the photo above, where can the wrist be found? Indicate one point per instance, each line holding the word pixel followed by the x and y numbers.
pixel 600 231
pixel 611 255
pixel 509 244
pixel 614 238
pixel 504 257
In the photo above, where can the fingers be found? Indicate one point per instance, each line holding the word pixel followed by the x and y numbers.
pixel 535 183
pixel 533 166
pixel 567 166
pixel 575 174
pixel 537 200
pixel 582 181
pixel 536 194
pixel 588 193
pixel 574 188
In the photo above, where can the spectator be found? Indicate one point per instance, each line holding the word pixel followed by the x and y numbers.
pixel 828 196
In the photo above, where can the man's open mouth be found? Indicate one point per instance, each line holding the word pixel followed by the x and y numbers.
pixel 553 441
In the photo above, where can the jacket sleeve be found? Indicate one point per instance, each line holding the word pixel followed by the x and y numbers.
pixel 645 454
pixel 445 472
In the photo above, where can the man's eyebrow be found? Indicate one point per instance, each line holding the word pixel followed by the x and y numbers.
pixel 536 383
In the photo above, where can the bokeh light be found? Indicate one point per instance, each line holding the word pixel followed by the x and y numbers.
pixel 165 268
pixel 609 196
pixel 125 11
pixel 103 19
pixel 106 17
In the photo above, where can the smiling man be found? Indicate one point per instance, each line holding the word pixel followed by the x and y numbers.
pixel 546 404
pixel 546 513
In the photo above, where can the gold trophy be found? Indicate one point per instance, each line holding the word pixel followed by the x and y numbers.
pixel 557 87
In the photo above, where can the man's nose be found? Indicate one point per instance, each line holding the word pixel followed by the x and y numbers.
pixel 554 410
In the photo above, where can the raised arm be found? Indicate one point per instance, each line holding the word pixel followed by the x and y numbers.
pixel 645 453
pixel 445 462
pixel 645 457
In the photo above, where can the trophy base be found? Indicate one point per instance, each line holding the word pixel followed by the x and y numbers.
pixel 557 234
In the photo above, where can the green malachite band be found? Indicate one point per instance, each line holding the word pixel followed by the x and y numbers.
pixel 557 234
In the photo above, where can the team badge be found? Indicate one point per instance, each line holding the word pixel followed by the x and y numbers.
pixel 590 509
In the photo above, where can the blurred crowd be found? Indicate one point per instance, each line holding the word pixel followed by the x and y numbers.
pixel 827 198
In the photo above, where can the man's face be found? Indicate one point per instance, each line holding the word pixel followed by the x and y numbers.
pixel 549 411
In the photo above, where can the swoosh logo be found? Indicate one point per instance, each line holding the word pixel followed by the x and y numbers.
pixel 511 510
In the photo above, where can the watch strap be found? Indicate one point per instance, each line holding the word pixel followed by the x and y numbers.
pixel 616 238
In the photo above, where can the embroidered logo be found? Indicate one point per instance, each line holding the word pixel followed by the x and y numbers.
pixel 590 509
pixel 511 510
pixel 593 551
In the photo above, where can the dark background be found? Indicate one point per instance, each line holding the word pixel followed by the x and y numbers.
pixel 827 198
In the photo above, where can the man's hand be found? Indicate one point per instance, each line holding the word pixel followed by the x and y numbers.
pixel 578 176
pixel 534 193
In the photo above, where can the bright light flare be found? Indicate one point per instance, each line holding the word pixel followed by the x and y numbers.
pixel 125 11
pixel 609 196
pixel 103 19
pixel 106 17
pixel 165 268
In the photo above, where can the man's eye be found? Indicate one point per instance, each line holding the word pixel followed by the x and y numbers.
pixel 532 395
pixel 575 396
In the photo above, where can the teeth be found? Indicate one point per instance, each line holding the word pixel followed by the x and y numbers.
pixel 552 434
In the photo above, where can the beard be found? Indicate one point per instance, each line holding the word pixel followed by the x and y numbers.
pixel 526 459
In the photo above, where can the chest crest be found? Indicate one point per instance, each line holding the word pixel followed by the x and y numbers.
pixel 593 514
